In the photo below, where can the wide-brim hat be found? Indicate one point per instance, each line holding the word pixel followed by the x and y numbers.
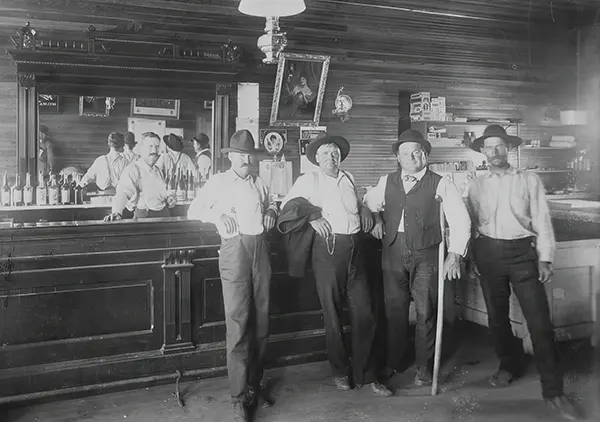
pixel 115 140
pixel 323 139
pixel 130 139
pixel 412 135
pixel 173 141
pixel 495 131
pixel 241 141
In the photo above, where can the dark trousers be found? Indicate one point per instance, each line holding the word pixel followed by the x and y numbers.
pixel 341 276
pixel 506 263
pixel 246 278
pixel 409 273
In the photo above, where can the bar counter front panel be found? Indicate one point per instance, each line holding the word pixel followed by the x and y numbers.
pixel 88 306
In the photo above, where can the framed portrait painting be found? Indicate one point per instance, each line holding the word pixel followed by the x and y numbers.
pixel 299 89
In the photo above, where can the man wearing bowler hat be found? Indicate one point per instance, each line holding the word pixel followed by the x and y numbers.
pixel 410 231
pixel 201 144
pixel 337 260
pixel 175 160
pixel 130 143
pixel 237 202
pixel 106 170
pixel 514 247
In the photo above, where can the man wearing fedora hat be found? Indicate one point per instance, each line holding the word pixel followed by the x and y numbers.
pixel 175 161
pixel 410 233
pixel 106 170
pixel 337 260
pixel 128 152
pixel 201 144
pixel 237 202
pixel 514 247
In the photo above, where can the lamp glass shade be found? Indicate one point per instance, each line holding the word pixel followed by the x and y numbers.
pixel 266 8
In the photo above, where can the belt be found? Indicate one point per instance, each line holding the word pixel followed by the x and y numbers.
pixel 522 239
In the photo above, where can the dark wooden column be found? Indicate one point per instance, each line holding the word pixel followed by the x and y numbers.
pixel 177 297
pixel 27 119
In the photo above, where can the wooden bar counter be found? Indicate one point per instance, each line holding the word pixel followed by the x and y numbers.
pixel 94 306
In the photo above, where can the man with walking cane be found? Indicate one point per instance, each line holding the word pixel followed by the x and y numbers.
pixel 514 247
pixel 410 231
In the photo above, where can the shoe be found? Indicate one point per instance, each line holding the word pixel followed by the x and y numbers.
pixel 258 397
pixel 342 383
pixel 564 407
pixel 380 390
pixel 502 379
pixel 240 412
pixel 423 377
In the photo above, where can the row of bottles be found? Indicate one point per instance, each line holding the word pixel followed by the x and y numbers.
pixel 182 185
pixel 54 192
pixel 581 162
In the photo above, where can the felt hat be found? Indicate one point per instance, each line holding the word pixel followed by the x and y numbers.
pixel 173 141
pixel 412 135
pixel 44 129
pixel 241 141
pixel 130 139
pixel 323 139
pixel 115 140
pixel 201 138
pixel 495 131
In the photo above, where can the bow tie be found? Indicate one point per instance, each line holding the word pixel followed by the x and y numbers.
pixel 410 178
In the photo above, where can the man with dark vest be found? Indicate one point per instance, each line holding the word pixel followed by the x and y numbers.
pixel 410 230
pixel 201 144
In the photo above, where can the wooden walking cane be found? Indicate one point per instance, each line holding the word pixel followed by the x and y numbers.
pixel 440 308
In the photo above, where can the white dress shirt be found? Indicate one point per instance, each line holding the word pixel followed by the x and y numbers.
pixel 246 200
pixel 336 196
pixel 141 187
pixel 105 171
pixel 454 208
pixel 512 205
pixel 175 160
pixel 130 156
pixel 204 164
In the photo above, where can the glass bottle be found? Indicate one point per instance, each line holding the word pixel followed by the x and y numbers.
pixel 181 191
pixel 5 191
pixel 17 192
pixel 28 191
pixel 191 189
pixel 172 185
pixel 65 191
pixel 41 193
pixel 53 191
pixel 77 191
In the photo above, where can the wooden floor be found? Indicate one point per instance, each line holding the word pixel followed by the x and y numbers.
pixel 306 393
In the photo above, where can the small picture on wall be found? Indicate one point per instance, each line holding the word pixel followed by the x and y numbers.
pixel 96 106
pixel 48 104
pixel 299 89
pixel 155 107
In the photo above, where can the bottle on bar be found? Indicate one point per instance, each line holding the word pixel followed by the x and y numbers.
pixel 41 193
pixel 5 191
pixel 172 185
pixel 28 191
pixel 72 184
pixel 53 191
pixel 16 192
pixel 78 192
pixel 191 190
pixel 181 191
pixel 65 191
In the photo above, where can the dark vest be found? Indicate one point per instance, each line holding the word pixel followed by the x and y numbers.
pixel 421 211
pixel 207 153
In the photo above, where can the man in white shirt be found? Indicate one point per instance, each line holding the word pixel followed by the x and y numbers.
pixel 130 143
pixel 201 144
pixel 175 161
pixel 410 233
pixel 142 188
pixel 337 261
pixel 237 202
pixel 107 169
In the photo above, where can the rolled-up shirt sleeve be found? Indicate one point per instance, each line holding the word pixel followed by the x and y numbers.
pixel 457 216
pixel 374 199
pixel 301 189
pixel 541 221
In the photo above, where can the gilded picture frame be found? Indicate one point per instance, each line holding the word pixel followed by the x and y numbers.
pixel 296 99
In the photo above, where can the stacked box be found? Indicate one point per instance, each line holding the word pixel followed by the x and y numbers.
pixel 435 109
pixel 420 106
pixel 441 108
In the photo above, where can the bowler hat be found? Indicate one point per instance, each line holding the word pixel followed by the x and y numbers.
pixel 495 131
pixel 201 138
pixel 173 141
pixel 44 129
pixel 115 140
pixel 241 141
pixel 323 139
pixel 412 135
pixel 130 138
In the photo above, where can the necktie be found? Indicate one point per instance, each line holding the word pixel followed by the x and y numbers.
pixel 410 178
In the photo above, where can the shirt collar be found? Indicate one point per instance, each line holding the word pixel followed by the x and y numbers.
pixel 417 176
pixel 234 176
pixel 201 151
pixel 510 171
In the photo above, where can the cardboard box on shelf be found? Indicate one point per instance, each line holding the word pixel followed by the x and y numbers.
pixel 435 109
pixel 420 106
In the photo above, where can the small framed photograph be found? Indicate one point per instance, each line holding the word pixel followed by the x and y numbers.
pixel 96 106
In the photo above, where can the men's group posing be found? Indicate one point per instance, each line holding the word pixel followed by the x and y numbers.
pixel 501 223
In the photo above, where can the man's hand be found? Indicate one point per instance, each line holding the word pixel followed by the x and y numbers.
pixel 269 219
pixel 452 266
pixel 378 230
pixel 545 271
pixel 113 216
pixel 230 223
pixel 366 219
pixel 171 201
pixel 321 226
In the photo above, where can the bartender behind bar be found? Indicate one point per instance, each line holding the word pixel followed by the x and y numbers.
pixel 174 160
pixel 106 170
pixel 142 188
